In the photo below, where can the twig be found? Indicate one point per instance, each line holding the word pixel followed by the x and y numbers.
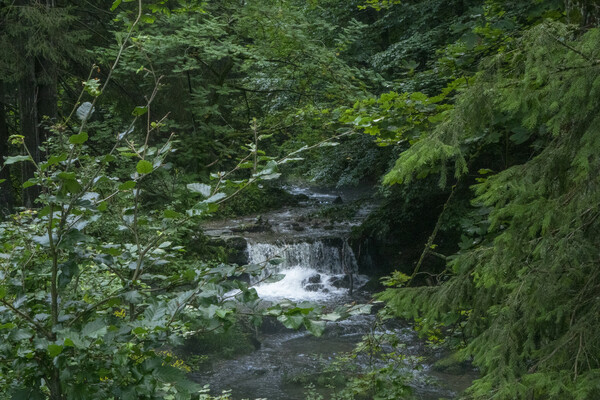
pixel 27 318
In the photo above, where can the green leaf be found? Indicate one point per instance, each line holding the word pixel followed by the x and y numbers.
pixel 144 167
pixel 67 271
pixel 274 278
pixel 171 214
pixel 20 334
pixel 133 297
pixel 139 110
pixel 331 316
pixel 78 139
pixel 16 159
pixel 127 185
pixel 269 177
pixel 85 110
pixel 115 4
pixel 29 183
pixel 54 350
pixel 72 186
pixel 27 394
pixel 291 321
pixel 2 292
pixel 53 160
pixel 167 373
pixel 360 309
pixel 148 19
pixel 201 188
pixel 67 175
pixel 139 330
pixel 216 197
pixel 107 159
pixel 315 327
pixel 94 329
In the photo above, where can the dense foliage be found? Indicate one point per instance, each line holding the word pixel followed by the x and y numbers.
pixel 124 123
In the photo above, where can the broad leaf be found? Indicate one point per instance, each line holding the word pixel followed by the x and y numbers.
pixel 201 188
pixel 16 159
pixel 79 138
pixel 139 110
pixel 144 167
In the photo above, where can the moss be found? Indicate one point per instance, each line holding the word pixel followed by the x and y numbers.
pixel 256 199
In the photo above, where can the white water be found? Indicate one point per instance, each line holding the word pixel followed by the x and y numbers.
pixel 310 269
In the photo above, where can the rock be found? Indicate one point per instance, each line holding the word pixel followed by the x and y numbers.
pixel 236 242
pixel 236 247
pixel 259 371
pixel 452 365
pixel 301 197
pixel 338 200
pixel 297 227
pixel 316 278
pixel 270 325
pixel 340 281
pixel 260 225
pixel 314 287
pixel 255 342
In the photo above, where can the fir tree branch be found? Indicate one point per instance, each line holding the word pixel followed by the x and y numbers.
pixel 573 49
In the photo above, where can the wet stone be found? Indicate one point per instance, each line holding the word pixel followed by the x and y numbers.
pixel 260 225
pixel 314 287
pixel 301 197
pixel 340 281
pixel 297 227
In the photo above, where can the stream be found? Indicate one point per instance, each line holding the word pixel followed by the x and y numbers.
pixel 317 264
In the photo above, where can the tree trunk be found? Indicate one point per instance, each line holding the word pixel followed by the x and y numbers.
pixel 29 129
pixel 38 110
pixel 6 190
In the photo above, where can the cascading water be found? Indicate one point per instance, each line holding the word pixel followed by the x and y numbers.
pixel 313 271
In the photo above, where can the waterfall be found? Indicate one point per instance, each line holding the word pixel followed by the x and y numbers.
pixel 313 270
pixel 327 258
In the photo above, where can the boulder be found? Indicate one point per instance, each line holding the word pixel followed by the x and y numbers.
pixel 301 197
pixel 297 227
pixel 314 287
pixel 339 282
pixel 236 247
pixel 260 225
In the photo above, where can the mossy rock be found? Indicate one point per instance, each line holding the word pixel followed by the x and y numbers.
pixel 452 365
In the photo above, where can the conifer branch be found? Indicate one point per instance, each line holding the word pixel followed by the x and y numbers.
pixel 573 49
